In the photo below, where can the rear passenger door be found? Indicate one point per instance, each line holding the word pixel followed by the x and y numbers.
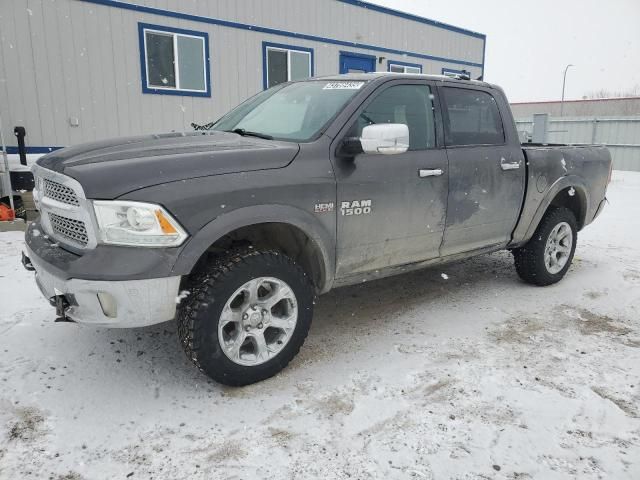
pixel 486 171
pixel 391 208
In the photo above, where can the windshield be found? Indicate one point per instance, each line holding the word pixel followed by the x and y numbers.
pixel 295 111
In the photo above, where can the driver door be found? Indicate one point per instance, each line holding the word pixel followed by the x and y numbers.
pixel 391 208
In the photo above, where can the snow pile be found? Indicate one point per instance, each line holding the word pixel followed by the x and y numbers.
pixel 477 377
pixel 183 295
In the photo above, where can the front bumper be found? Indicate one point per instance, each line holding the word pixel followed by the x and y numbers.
pixel 108 303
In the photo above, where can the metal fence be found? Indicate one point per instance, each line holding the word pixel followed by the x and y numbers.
pixel 621 135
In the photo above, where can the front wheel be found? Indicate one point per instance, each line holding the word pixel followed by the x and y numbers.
pixel 247 316
pixel 546 258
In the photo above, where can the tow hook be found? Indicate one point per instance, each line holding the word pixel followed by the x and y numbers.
pixel 61 304
pixel 26 263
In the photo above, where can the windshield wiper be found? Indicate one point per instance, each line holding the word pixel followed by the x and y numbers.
pixel 246 133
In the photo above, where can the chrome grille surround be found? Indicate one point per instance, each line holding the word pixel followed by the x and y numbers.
pixel 66 214
pixel 59 192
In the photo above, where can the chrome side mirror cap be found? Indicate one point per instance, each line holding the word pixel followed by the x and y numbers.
pixel 385 139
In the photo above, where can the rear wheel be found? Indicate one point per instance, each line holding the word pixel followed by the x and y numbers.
pixel 546 258
pixel 246 316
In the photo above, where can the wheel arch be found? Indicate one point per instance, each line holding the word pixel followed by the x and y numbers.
pixel 575 199
pixel 294 231
pixel 570 192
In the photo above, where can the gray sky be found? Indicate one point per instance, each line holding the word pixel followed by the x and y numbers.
pixel 530 43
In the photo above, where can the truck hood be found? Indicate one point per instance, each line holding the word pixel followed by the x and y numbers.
pixel 110 168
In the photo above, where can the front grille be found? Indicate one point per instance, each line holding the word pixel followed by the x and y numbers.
pixel 69 228
pixel 59 192
pixel 64 210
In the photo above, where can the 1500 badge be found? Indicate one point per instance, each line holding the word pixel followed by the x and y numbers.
pixel 356 207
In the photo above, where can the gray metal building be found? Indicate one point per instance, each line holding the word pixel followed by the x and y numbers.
pixel 614 122
pixel 82 70
pixel 598 107
pixel 620 134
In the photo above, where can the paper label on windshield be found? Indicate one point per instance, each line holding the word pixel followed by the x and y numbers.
pixel 343 86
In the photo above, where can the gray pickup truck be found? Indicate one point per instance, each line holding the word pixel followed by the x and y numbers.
pixel 305 187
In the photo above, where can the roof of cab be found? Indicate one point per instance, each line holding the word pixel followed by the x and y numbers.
pixel 367 77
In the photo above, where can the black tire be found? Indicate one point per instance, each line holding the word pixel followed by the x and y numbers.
pixel 200 313
pixel 530 259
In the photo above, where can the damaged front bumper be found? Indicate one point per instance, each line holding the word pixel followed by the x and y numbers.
pixel 108 303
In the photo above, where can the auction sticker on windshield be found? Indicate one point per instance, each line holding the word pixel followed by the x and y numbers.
pixel 343 86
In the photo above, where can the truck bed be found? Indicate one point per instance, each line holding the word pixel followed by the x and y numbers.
pixel 550 167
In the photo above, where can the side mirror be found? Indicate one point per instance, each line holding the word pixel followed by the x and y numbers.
pixel 385 139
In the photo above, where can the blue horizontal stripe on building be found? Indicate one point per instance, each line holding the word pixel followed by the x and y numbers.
pixel 11 150
pixel 285 33
pixel 415 18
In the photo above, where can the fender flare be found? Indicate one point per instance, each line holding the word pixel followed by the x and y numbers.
pixel 223 225
pixel 561 184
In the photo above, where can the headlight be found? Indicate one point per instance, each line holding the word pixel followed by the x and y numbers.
pixel 137 224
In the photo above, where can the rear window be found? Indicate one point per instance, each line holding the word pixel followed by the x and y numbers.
pixel 471 118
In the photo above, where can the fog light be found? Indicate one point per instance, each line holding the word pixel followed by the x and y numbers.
pixel 108 305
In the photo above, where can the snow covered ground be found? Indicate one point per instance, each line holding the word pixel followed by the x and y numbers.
pixel 467 375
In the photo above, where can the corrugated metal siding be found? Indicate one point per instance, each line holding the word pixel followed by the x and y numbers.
pixel 336 20
pixel 68 59
pixel 580 108
pixel 621 135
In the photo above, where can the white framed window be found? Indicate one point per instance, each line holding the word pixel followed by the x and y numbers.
pixel 399 67
pixel 174 61
pixel 285 63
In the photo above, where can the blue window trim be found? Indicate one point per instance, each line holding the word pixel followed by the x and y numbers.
pixel 359 55
pixel 364 56
pixel 11 150
pixel 282 46
pixel 402 64
pixel 143 64
pixel 274 31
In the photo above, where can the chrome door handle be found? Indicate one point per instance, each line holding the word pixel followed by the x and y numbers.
pixel 430 173
pixel 510 166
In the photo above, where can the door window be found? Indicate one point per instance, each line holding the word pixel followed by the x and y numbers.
pixel 471 118
pixel 411 105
